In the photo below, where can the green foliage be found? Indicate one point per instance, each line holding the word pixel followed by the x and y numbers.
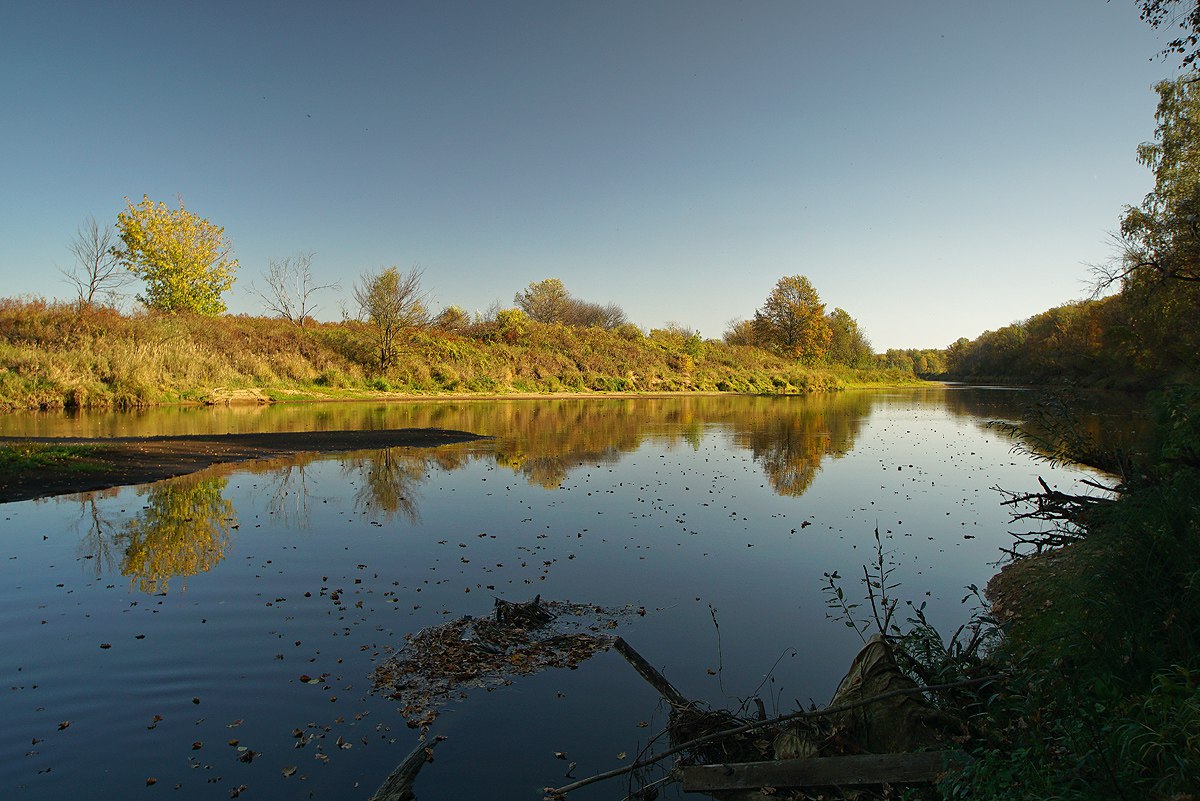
pixel 39 455
pixel 1103 700
pixel 548 301
pixel 184 259
pixel 792 321
pixel 512 325
pixel 848 345
pixel 545 301
pixel 391 302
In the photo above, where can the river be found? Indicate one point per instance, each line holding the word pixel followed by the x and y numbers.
pixel 215 636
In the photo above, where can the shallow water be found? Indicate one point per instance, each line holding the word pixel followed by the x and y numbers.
pixel 168 625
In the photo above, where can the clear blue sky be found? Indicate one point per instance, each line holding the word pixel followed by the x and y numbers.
pixel 935 168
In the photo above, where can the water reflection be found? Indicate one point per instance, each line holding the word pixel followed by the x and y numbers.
pixel 185 526
pixel 183 530
pixel 790 446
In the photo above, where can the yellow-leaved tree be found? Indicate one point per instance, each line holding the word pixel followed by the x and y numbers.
pixel 792 321
pixel 185 260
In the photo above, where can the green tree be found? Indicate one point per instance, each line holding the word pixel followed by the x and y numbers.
pixel 848 345
pixel 185 260
pixel 391 301
pixel 1158 270
pixel 549 301
pixel 792 321
pixel 1161 238
pixel 545 301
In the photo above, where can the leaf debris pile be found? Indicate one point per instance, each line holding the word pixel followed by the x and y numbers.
pixel 438 664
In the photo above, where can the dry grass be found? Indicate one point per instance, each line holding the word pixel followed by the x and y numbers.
pixel 58 355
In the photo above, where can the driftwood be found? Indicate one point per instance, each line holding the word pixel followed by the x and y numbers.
pixel 398 785
pixel 559 792
pixel 648 672
pixel 529 615
pixel 856 769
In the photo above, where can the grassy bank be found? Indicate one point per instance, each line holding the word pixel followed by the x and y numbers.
pixel 55 355
pixel 1103 642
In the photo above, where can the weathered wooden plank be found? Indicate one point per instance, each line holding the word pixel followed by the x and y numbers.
pixel 819 771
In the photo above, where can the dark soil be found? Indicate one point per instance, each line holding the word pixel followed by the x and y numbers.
pixel 122 461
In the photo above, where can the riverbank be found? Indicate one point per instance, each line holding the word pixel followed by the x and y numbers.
pixel 58 356
pixel 44 467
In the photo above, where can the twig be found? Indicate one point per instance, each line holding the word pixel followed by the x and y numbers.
pixel 556 793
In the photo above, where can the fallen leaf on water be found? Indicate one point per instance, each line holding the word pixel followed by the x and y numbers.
pixel 290 770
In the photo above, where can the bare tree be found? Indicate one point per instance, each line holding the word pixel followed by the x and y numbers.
pixel 391 301
pixel 290 288
pixel 97 269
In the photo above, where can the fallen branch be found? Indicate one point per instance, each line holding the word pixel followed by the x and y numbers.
pixel 557 793
pixel 398 785
pixel 648 672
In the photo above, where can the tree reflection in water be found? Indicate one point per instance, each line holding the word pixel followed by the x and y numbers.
pixel 183 530
pixel 389 479
pixel 790 446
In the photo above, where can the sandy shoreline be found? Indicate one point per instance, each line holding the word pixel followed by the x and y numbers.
pixel 123 461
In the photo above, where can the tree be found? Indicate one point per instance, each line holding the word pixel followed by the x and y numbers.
pixel 1158 268
pixel 792 321
pixel 740 332
pixel 451 318
pixel 290 288
pixel 97 269
pixel 1161 238
pixel 391 301
pixel 848 345
pixel 1186 18
pixel 185 260
pixel 594 315
pixel 544 301
pixel 549 301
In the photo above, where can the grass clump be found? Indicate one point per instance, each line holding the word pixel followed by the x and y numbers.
pixel 39 456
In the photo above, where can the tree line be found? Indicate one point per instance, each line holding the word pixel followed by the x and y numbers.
pixel 1146 331
pixel 186 265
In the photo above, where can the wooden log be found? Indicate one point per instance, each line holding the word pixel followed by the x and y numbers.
pixel 856 769
pixel 648 672
pixel 398 786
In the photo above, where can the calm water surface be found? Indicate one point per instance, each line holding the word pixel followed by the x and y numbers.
pixel 152 632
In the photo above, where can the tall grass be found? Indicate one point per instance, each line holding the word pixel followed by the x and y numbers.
pixel 59 355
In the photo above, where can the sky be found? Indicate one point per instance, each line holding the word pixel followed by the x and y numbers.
pixel 936 168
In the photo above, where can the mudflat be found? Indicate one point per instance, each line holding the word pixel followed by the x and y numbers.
pixel 122 461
